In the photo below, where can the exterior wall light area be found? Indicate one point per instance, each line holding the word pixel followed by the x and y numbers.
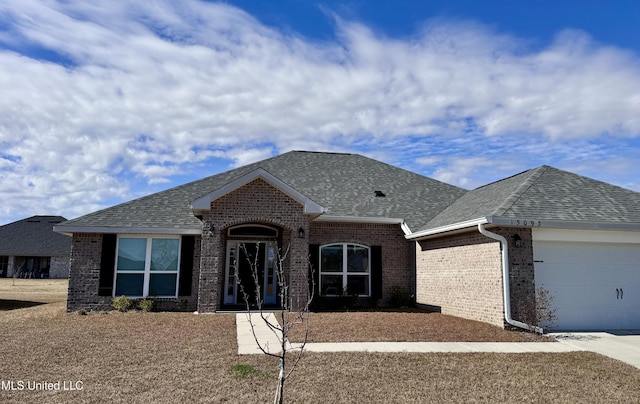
pixel 517 241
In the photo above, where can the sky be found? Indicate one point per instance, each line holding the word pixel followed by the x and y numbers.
pixel 102 102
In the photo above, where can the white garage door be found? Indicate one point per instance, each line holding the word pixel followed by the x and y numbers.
pixel 596 284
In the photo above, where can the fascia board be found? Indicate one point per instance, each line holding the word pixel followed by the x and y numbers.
pixel 204 203
pixel 563 224
pixel 525 223
pixel 364 219
pixel 69 230
pixel 446 229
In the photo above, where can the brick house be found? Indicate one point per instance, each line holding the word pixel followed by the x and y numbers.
pixel 574 236
pixel 363 225
pixel 350 213
pixel 30 248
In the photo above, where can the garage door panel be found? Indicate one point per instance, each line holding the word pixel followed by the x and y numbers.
pixel 575 296
pixel 570 275
pixel 580 274
pixel 596 285
pixel 575 318
pixel 589 253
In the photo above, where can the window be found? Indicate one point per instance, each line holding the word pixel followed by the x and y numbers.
pixel 345 266
pixel 147 266
pixel 253 230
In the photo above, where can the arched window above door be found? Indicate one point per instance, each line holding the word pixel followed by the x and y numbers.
pixel 253 231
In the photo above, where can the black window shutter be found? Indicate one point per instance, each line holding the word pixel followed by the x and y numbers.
pixel 376 271
pixel 107 265
pixel 314 266
pixel 186 265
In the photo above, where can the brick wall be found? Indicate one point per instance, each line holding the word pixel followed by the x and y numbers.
pixel 255 203
pixel 461 274
pixel 259 202
pixel 84 275
pixel 398 267
pixel 521 272
pixel 59 267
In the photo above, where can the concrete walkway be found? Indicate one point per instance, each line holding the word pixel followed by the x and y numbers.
pixel 269 340
pixel 625 348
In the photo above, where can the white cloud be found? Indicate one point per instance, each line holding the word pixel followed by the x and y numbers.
pixel 148 88
pixel 470 172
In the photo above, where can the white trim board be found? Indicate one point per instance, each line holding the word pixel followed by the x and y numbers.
pixel 588 236
pixel 204 203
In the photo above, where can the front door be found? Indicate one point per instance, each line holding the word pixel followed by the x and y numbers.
pixel 251 272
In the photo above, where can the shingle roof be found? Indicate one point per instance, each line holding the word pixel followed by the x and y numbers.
pixel 34 237
pixel 343 183
pixel 545 193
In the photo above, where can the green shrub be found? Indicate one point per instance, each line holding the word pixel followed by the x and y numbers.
pixel 400 297
pixel 147 304
pixel 122 303
pixel 182 304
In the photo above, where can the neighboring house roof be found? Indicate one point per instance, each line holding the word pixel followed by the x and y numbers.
pixel 34 237
pixel 550 196
pixel 343 184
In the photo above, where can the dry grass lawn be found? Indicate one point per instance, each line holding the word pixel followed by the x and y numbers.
pixel 405 327
pixel 181 357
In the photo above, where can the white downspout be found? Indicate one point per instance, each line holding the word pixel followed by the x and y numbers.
pixel 505 281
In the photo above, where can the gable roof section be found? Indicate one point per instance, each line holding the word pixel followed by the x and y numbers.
pixel 204 203
pixel 554 197
pixel 343 184
pixel 34 236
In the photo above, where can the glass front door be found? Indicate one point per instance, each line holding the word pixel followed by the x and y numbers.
pixel 251 265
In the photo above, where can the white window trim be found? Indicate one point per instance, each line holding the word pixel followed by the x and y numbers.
pixel 147 264
pixel 344 271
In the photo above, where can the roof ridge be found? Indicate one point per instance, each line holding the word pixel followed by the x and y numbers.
pixel 319 152
pixel 521 189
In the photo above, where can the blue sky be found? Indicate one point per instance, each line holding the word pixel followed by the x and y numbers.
pixel 103 102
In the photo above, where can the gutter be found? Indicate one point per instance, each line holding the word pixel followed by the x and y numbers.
pixel 449 228
pixel 365 220
pixel 69 230
pixel 505 280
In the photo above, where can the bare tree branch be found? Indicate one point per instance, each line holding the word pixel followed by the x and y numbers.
pixel 289 318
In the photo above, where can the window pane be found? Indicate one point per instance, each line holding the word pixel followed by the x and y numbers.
pixel 131 254
pixel 129 284
pixel 358 284
pixel 331 258
pixel 164 254
pixel 357 259
pixel 255 231
pixel 162 285
pixel 231 279
pixel 330 285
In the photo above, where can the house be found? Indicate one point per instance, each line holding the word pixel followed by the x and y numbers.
pixel 30 248
pixel 574 236
pixel 370 228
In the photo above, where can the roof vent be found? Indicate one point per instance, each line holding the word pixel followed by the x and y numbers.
pixel 379 194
